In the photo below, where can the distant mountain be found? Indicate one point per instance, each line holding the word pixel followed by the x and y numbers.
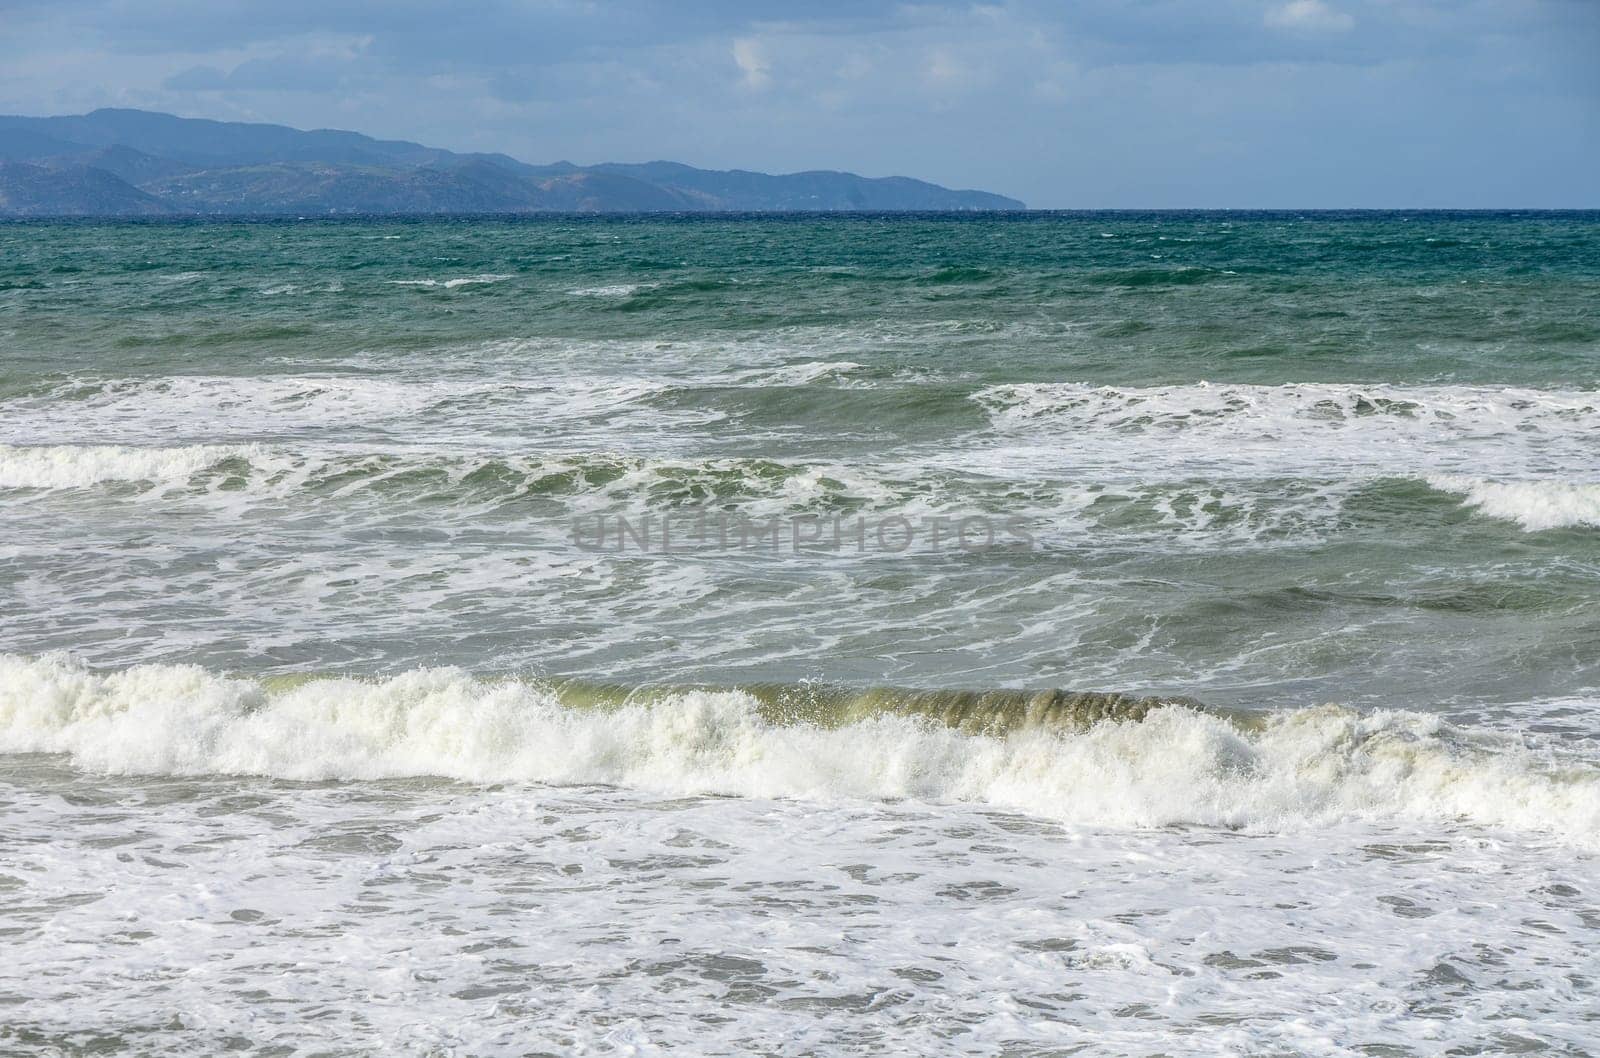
pixel 815 190
pixel 75 191
pixel 139 163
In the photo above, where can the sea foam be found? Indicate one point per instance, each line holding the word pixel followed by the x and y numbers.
pixel 1534 505
pixel 1294 429
pixel 452 284
pixel 1459 410
pixel 82 466
pixel 1178 765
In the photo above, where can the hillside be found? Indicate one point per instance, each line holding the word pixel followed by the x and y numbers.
pixel 139 163
pixel 76 191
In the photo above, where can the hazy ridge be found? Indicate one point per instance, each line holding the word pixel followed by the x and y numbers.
pixel 139 163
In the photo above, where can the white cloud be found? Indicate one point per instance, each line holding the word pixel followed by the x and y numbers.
pixel 944 68
pixel 1080 104
pixel 1308 16
pixel 753 63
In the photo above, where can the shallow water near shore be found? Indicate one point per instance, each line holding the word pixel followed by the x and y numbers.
pixel 1138 632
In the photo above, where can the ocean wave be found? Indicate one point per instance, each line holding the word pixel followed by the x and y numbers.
pixel 84 466
pixel 802 373
pixel 244 471
pixel 580 483
pixel 1174 764
pixel 216 407
pixel 1202 512
pixel 1299 430
pixel 452 284
pixel 1448 409
pixel 1534 505
pixel 612 290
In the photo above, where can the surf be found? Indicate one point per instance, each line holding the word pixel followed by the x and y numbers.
pixel 1098 759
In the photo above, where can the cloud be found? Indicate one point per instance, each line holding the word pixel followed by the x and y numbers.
pixel 943 68
pixel 1308 16
pixel 197 79
pixel 1092 103
pixel 288 73
pixel 753 63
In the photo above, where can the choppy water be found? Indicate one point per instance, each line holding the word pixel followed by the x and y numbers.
pixel 331 718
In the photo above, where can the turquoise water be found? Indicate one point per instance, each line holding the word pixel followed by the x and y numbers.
pixel 314 580
pixel 1115 298
pixel 1268 458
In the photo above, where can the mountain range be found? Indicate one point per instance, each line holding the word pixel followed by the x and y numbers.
pixel 140 163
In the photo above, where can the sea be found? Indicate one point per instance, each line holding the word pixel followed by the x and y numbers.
pixel 971 634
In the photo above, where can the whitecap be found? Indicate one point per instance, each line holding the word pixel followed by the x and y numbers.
pixel 1294 769
pixel 452 284
pixel 1534 505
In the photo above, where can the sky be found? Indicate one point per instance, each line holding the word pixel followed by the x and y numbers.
pixel 1072 104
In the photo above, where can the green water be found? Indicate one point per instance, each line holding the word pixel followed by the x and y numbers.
pixel 1263 458
pixel 490 637
pixel 1114 298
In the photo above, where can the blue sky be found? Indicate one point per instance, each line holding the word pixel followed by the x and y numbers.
pixel 1085 103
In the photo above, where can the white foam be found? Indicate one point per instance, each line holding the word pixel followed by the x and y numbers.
pixel 82 466
pixel 598 482
pixel 802 374
pixel 1200 404
pixel 499 920
pixel 452 284
pixel 209 408
pixel 1534 505
pixel 588 481
pixel 1307 767
pixel 612 290
pixel 1293 429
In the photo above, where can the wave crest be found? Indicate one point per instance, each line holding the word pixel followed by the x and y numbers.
pixel 1175 765
pixel 1534 505
pixel 84 466
pixel 1490 410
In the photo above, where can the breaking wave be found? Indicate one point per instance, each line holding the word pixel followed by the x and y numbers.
pixel 1102 759
pixel 265 471
pixel 245 409
pixel 83 466
pixel 1380 430
pixel 1245 511
pixel 452 284
pixel 1492 409
pixel 1534 505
